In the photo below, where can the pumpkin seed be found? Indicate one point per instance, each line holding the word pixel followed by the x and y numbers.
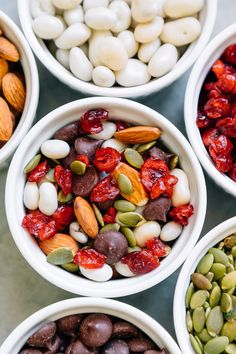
pixel 215 296
pixel 219 256
pixel 231 291
pixel 231 259
pixel 229 281
pixel 230 241
pixel 189 322
pixel 199 319
pixel 231 315
pixel 208 310
pixel 219 270
pixel 195 345
pixel 230 348
pixel 229 330
pixel 205 264
pixel 230 268
pixel 70 267
pixel 108 227
pixel 50 175
pixel 216 345
pixel 62 198
pixel 124 206
pixel 206 305
pixel 233 251
pixel 146 147
pixel 226 303
pixel 130 219
pixel 210 276
pixel 129 235
pixel 124 184
pixel 199 342
pixel 98 214
pixel 198 298
pixel 60 256
pixel 215 321
pixel 78 167
pixel 173 162
pixel 133 249
pixel 134 158
pixel 189 294
pixel 204 336
pixel 200 281
pixel 32 163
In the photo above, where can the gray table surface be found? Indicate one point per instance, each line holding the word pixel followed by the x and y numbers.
pixel 22 290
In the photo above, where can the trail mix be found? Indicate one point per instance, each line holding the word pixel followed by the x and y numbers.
pixel 217 113
pixel 94 333
pixel 211 300
pixel 104 200
pixel 12 89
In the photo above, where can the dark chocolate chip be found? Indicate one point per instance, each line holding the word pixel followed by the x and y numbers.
pixel 159 154
pixel 95 330
pixel 140 344
pixel 83 185
pixel 87 146
pixel 69 324
pixel 155 352
pixel 105 205
pixel 124 329
pixel 31 351
pixel 157 209
pixel 67 133
pixel 115 346
pixel 43 335
pixel 69 158
pixel 113 244
pixel 77 347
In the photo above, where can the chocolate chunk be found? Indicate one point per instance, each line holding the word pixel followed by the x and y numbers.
pixel 113 244
pixel 124 329
pixel 140 344
pixel 77 347
pixel 95 330
pixel 69 158
pixel 105 205
pixel 31 351
pixel 54 344
pixel 83 185
pixel 159 154
pixel 87 146
pixel 43 336
pixel 115 346
pixel 157 209
pixel 69 324
pixel 67 133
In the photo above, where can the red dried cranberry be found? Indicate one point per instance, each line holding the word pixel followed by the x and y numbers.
pixel 121 125
pixel 89 258
pixel 63 177
pixel 222 145
pixel 164 185
pixel 227 83
pixel 223 163
pixel 220 69
pixel 233 110
pixel 110 216
pixel 217 108
pixel 209 135
pixel 34 221
pixel 84 159
pixel 91 121
pixel 230 54
pixel 141 262
pixel 106 189
pixel 63 216
pixel 232 172
pixel 227 126
pixel 158 248
pixel 38 172
pixel 106 159
pixel 202 120
pixel 47 231
pixel 214 94
pixel 182 214
pixel 152 170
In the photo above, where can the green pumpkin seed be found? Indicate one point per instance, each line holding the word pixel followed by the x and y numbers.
pixel 146 147
pixel 195 345
pixel 230 348
pixel 130 219
pixel 216 345
pixel 230 241
pixel 50 175
pixel 133 158
pixel 206 305
pixel 204 336
pixel 70 267
pixel 129 235
pixel 198 298
pixel 233 251
pixel 199 342
pixel 133 249
pixel 230 268
pixel 189 322
pixel 32 163
pixel 219 256
pixel 205 264
pixel 108 227
pixel 189 294
pixel 221 245
pixel 215 296
pixel 229 330
pixel 98 214
pixel 199 319
pixel 78 167
pixel 215 321
pixel 208 310
pixel 219 270
pixel 124 206
pixel 173 162
pixel 231 259
pixel 231 315
pixel 231 291
pixel 60 256
pixel 200 281
pixel 226 303
pixel 124 184
pixel 62 198
pixel 228 281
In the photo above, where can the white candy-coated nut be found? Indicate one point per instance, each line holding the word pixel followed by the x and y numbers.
pixel 170 231
pixel 80 66
pixel 74 230
pixel 147 50
pixel 112 53
pixel 55 149
pixel 135 73
pixel 62 55
pixel 103 76
pixel 160 8
pixel 100 275
pixel 48 202
pixel 163 60
pixel 123 269
pixel 42 8
pixel 181 192
pixel 61 18
pixel 144 10
pixel 48 7
pixel 66 4
pixel 94 46
pixel 100 18
pixel 123 15
pixel 181 32
pixel 74 15
pixel 47 27
pixel 109 129
pixel 147 32
pixel 42 180
pixel 31 195
pixel 182 8
pixel 75 35
pixel 129 42
pixel 129 2
pixel 146 232
pixel 115 144
pixel 89 4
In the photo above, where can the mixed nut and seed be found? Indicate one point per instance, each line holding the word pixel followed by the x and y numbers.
pixel 94 333
pixel 211 300
pixel 104 199
pixel 124 42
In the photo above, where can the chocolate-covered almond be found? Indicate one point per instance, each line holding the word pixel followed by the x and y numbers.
pixel 69 158
pixel 140 345
pixel 31 351
pixel 69 324
pixel 82 185
pixel 159 154
pixel 95 330
pixel 123 329
pixel 157 209
pixel 112 244
pixel 115 346
pixel 67 133
pixel 87 146
pixel 43 335
pixel 163 351
pixel 77 347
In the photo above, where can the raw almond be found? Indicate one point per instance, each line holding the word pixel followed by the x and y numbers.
pixel 139 196
pixel 4 68
pixel 6 124
pixel 59 241
pixel 14 91
pixel 138 135
pixel 86 217
pixel 8 50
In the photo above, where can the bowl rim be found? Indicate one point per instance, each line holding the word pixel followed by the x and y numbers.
pixel 13 142
pixel 179 312
pixel 192 130
pixel 113 307
pixel 152 86
pixel 139 285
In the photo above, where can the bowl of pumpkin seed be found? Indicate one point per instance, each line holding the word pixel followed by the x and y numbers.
pixel 205 294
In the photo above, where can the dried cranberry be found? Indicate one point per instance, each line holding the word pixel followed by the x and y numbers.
pixel 232 172
pixel 110 216
pixel 220 69
pixel 182 214
pixel 209 135
pixel 47 231
pixel 164 185
pixel 233 110
pixel 106 159
pixel 227 126
pixel 121 125
pixel 222 145
pixel 215 94
pixel 106 189
pixel 152 170
pixel 89 258
pixel 63 216
pixel 223 163
pixel 202 120
pixel 230 54
pixel 34 221
pixel 91 121
pixel 158 248
pixel 63 177
pixel 217 108
pixel 141 262
pixel 84 159
pixel 38 172
pixel 227 83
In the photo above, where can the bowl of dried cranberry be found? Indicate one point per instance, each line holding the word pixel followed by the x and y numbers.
pixel 210 109
pixel 89 325
pixel 95 194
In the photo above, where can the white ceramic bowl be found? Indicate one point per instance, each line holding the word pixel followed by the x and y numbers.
pixel 118 109
pixel 207 18
pixel 149 326
pixel 12 32
pixel 209 240
pixel 200 70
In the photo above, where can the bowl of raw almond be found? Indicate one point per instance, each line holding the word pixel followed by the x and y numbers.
pixel 19 85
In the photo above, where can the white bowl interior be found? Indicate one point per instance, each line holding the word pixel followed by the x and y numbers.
pixel 207 19
pixel 209 240
pixel 212 52
pixel 118 109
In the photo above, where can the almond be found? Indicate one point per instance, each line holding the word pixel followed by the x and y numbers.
pixel 4 68
pixel 86 217
pixel 58 241
pixel 6 124
pixel 8 50
pixel 14 91
pixel 138 135
pixel 139 196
